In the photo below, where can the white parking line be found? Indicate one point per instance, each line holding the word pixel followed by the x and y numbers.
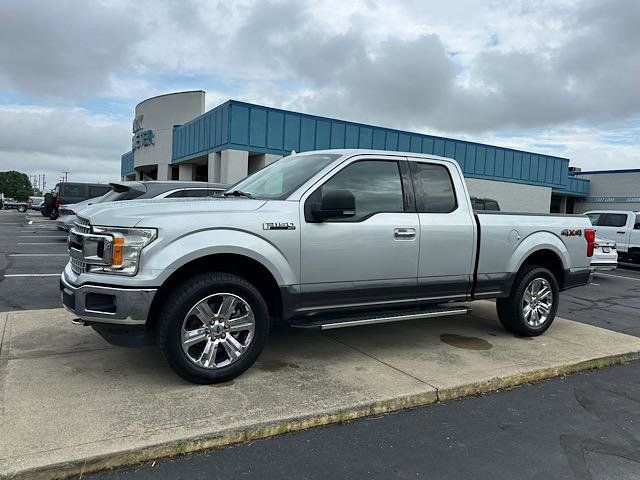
pixel 32 275
pixel 39 255
pixel 619 276
pixel 42 236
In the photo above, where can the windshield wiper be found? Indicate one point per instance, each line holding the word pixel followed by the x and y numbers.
pixel 237 193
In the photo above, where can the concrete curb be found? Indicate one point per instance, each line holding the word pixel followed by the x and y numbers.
pixel 259 431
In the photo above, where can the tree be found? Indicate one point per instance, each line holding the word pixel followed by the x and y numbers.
pixel 15 184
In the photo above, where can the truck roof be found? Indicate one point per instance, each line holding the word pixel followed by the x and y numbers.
pixel 364 151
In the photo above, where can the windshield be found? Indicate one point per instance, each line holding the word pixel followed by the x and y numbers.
pixel 281 178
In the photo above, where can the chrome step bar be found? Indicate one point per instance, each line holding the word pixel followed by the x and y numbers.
pixel 388 317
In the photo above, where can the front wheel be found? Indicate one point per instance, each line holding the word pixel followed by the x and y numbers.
pixel 531 306
pixel 22 208
pixel 213 327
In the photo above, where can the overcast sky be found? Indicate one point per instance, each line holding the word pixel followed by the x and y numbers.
pixel 557 77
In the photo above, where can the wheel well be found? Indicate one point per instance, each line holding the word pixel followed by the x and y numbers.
pixel 549 260
pixel 248 268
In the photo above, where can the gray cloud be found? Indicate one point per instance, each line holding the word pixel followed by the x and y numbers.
pixel 64 48
pixel 473 70
pixel 49 140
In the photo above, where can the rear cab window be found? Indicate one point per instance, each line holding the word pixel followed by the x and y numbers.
pixel 603 219
pixel 433 187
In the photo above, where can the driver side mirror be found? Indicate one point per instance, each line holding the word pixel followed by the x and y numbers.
pixel 335 204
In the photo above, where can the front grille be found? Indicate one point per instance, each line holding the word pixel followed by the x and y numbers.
pixel 77 266
pixel 83 225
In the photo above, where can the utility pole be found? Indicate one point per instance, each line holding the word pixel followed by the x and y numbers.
pixel 65 175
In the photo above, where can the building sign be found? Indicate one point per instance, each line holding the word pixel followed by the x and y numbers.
pixel 143 138
pixel 137 123
pixel 607 199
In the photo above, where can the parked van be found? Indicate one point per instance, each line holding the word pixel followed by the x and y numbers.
pixel 72 192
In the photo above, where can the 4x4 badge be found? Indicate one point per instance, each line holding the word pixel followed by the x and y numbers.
pixel 278 226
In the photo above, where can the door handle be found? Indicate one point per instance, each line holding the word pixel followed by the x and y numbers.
pixel 621 232
pixel 404 233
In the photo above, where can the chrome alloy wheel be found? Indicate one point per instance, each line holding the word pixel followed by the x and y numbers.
pixel 537 302
pixel 217 330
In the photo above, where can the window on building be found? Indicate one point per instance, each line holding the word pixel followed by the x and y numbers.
pixel 434 188
pixel 375 184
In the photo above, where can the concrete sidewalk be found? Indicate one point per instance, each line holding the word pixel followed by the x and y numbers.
pixel 70 403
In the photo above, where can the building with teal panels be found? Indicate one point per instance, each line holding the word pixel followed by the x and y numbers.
pixel 236 138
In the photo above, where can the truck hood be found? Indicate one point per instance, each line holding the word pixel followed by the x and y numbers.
pixel 134 212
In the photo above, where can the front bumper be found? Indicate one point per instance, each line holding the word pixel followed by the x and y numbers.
pixel 107 305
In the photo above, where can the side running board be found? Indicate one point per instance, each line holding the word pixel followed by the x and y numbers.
pixel 326 322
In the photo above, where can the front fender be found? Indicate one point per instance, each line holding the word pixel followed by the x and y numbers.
pixel 182 250
pixel 535 242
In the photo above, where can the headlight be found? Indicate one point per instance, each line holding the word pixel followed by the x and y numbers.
pixel 124 250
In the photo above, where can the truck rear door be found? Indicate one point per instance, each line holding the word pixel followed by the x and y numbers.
pixel 447 235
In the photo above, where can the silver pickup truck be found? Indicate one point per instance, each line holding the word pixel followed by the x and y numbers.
pixel 320 240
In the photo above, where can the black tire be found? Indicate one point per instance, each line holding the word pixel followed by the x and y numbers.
pixel 179 303
pixel 22 208
pixel 511 309
pixel 54 215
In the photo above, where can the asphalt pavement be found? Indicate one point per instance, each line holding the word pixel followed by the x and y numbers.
pixel 585 426
pixel 32 256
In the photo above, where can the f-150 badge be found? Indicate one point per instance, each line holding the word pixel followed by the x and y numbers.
pixel 278 226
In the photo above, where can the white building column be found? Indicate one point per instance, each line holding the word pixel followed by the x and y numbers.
pixel 213 167
pixel 256 162
pixel 563 204
pixel 185 171
pixel 270 158
pixel 234 165
pixel 164 172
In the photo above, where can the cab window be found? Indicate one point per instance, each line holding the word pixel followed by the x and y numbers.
pixel 375 184
pixel 434 188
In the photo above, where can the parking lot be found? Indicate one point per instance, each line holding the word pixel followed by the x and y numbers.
pixel 583 425
pixel 32 255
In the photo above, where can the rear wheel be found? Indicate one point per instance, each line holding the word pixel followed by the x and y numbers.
pixel 54 215
pixel 532 304
pixel 213 327
pixel 22 208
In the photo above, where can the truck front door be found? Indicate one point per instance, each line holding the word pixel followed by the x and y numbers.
pixel 371 257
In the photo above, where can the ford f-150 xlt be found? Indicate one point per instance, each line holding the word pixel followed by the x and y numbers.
pixel 319 240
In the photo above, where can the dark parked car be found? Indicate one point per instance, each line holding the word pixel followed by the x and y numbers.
pixel 141 190
pixel 71 192
pixel 485 204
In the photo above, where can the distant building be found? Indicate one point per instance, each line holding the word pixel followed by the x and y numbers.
pixel 174 138
pixel 611 190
